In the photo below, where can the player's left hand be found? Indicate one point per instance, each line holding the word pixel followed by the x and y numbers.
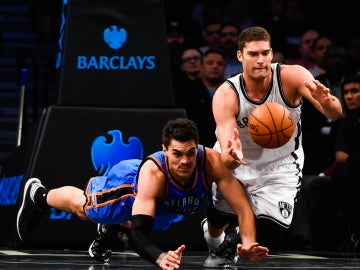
pixel 319 92
pixel 252 252
pixel 172 259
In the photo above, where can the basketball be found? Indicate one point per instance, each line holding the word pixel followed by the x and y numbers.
pixel 271 125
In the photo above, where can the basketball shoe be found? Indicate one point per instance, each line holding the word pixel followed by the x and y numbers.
pixel 225 255
pixel 29 214
pixel 101 248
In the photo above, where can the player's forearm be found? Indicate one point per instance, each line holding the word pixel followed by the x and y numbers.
pixel 333 109
pixel 247 227
pixel 143 244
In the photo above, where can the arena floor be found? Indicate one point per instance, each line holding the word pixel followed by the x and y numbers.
pixel 70 259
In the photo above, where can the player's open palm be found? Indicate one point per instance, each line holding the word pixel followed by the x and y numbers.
pixel 235 148
pixel 172 259
pixel 252 253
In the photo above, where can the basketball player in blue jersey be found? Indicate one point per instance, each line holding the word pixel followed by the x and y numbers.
pixel 270 177
pixel 149 194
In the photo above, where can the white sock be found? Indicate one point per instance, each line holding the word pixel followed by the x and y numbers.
pixel 212 242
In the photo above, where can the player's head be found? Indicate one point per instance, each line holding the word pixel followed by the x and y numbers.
pixel 255 52
pixel 179 129
pixel 180 144
pixel 254 33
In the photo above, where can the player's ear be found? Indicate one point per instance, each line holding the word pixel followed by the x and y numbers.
pixel 163 148
pixel 239 55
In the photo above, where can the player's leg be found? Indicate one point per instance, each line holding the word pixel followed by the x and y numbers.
pixel 221 236
pixel 67 198
pixel 101 248
pixel 36 198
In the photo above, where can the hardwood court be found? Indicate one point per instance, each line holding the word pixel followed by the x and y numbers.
pixel 79 259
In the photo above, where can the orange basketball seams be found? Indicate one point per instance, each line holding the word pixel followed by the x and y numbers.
pixel 271 125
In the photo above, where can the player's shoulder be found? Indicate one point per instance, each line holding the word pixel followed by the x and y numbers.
pixel 294 74
pixel 225 89
pixel 288 68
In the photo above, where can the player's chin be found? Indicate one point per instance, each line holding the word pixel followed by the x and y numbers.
pixel 185 171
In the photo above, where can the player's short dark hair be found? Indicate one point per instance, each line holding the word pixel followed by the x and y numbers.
pixel 180 129
pixel 254 33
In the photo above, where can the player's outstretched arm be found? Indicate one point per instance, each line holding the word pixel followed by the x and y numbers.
pixel 237 198
pixel 171 259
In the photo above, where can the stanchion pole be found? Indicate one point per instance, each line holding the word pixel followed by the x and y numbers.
pixel 23 78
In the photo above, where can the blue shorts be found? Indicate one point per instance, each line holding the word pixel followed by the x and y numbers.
pixel 110 198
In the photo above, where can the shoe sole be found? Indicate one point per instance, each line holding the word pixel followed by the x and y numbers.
pixel 28 182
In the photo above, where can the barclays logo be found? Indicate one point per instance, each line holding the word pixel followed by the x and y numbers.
pixel 115 37
pixel 108 150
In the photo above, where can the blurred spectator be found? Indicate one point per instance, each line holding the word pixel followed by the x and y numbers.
pixel 176 42
pixel 346 175
pixel 293 26
pixel 321 44
pixel 229 45
pixel 345 21
pixel 319 131
pixel 188 71
pixel 211 35
pixel 278 57
pixel 196 96
pixel 353 50
pixel 239 12
pixel 306 48
pixel 272 17
pixel 191 63
pixel 335 65
pixel 207 10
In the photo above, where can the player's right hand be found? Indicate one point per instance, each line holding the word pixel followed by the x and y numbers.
pixel 172 259
pixel 234 149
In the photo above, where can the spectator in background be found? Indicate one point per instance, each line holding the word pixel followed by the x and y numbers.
pixel 278 57
pixel 346 175
pixel 335 65
pixel 206 10
pixel 293 26
pixel 211 35
pixel 196 97
pixel 353 50
pixel 176 41
pixel 272 15
pixel 228 39
pixel 319 131
pixel 321 44
pixel 239 12
pixel 191 63
pixel 306 48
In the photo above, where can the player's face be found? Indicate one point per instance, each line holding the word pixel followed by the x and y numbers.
pixel 181 158
pixel 352 95
pixel 256 59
